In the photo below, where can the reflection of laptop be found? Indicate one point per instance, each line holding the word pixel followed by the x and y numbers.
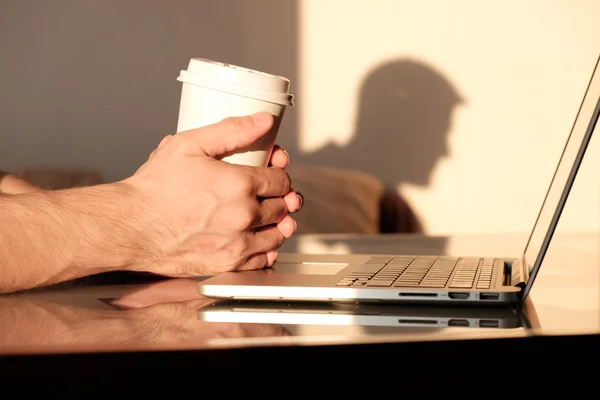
pixel 311 313
pixel 429 279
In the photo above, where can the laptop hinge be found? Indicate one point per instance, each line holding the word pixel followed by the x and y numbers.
pixel 525 268
pixel 518 274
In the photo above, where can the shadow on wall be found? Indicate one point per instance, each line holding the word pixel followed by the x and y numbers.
pixel 404 116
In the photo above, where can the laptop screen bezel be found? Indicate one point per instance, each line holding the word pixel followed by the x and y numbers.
pixel 533 269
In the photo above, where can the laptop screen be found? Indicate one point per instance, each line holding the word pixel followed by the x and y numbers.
pixel 563 178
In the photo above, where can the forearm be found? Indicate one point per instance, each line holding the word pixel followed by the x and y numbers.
pixel 53 236
pixel 38 322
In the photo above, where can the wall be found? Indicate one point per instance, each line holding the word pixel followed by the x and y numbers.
pixel 463 106
pixel 93 83
pixel 459 105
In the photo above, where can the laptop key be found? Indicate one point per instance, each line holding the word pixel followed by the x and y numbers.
pixel 370 268
pixel 378 260
pixel 432 285
pixel 380 283
pixel 466 285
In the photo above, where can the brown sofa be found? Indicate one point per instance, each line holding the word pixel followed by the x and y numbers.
pixel 349 201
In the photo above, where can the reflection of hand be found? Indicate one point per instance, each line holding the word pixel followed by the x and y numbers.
pixel 202 216
pixel 144 319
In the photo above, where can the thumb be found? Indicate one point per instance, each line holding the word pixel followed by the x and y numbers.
pixel 228 135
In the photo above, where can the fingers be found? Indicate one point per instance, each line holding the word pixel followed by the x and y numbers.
pixel 271 257
pixel 227 135
pixel 270 182
pixel 259 260
pixel 271 238
pixel 294 201
pixel 255 261
pixel 271 211
pixel 279 157
pixel 266 241
pixel 287 227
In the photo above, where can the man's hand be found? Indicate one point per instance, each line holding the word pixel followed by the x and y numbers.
pixel 183 213
pixel 202 216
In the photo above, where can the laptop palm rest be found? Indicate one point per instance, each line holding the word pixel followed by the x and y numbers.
pixel 301 274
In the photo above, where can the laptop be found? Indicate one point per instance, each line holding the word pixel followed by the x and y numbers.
pixel 404 278
pixel 362 314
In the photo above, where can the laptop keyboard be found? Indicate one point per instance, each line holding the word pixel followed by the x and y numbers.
pixel 429 272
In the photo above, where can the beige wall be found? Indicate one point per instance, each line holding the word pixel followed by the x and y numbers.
pixel 92 83
pixel 379 83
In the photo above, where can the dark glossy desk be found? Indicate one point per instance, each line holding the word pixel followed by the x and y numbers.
pixel 118 323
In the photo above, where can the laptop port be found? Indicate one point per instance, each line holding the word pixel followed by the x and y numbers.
pixel 458 322
pixel 415 294
pixel 418 321
pixel 489 296
pixel 458 295
pixel 488 323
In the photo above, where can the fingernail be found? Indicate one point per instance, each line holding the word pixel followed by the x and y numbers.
pixel 301 198
pixel 287 155
pixel 262 118
pixel 295 225
pixel 273 258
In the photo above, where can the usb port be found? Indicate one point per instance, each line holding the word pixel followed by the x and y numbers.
pixel 458 295
pixel 488 323
pixel 489 296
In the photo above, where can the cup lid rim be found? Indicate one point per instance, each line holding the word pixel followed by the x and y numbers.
pixel 282 98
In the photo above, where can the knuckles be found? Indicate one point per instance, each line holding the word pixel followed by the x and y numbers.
pixel 244 218
pixel 239 216
pixel 237 250
pixel 239 185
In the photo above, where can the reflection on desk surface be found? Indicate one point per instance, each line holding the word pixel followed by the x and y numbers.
pixel 125 312
pixel 170 312
pixel 364 315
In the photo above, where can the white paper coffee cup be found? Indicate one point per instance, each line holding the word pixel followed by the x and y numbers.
pixel 213 91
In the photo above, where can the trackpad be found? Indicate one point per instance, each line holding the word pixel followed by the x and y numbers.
pixel 308 268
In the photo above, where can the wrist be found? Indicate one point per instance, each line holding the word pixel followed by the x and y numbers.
pixel 53 236
pixel 106 226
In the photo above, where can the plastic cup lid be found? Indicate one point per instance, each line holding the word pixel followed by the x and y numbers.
pixel 237 80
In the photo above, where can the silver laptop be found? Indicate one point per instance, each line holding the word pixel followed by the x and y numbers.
pixel 422 279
